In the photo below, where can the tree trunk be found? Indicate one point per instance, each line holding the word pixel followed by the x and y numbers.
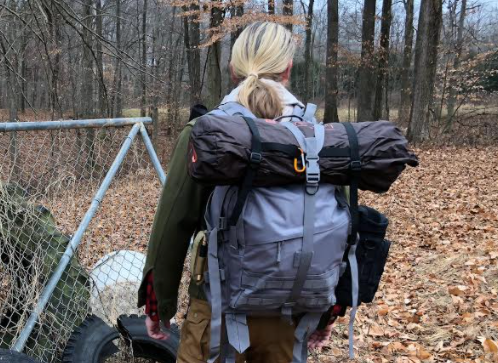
pixel 383 64
pixel 117 101
pixel 143 78
pixel 366 71
pixel 426 51
pixel 308 55
pixel 288 10
pixel 214 55
pixel 87 83
pixel 155 60
pixel 23 70
pixel 102 94
pixel 451 103
pixel 191 40
pixel 271 7
pixel 405 102
pixel 331 89
pixel 12 97
pixel 179 76
pixel 235 12
pixel 172 54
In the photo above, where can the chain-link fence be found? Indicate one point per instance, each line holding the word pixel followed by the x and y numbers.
pixel 87 188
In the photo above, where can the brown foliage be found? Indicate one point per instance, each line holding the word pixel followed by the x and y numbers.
pixel 438 301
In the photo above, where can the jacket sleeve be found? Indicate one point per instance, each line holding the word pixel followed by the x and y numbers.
pixel 178 215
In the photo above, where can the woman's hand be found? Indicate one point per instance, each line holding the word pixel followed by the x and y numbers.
pixel 320 337
pixel 154 329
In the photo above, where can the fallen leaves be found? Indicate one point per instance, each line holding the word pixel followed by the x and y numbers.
pixel 489 346
pixel 457 290
pixel 438 300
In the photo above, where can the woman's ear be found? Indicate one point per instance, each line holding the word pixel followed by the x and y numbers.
pixel 233 77
pixel 286 74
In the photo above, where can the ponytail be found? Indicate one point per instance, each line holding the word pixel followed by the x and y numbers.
pixel 262 51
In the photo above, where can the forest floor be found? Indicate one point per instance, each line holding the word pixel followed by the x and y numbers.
pixel 438 301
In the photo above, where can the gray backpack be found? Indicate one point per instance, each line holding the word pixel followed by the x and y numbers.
pixel 274 250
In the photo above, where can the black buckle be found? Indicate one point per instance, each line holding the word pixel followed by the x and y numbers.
pixel 255 158
pixel 222 224
pixel 355 165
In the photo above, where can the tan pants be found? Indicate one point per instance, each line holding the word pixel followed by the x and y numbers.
pixel 272 339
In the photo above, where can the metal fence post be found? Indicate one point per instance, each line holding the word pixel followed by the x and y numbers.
pixel 75 240
pixel 152 154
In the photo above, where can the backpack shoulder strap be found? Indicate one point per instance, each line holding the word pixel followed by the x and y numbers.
pixel 309 113
pixel 235 108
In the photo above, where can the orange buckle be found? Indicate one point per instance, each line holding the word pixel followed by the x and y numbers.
pixel 303 168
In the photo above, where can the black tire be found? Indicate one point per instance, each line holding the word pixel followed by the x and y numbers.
pixel 10 356
pixel 133 329
pixel 94 341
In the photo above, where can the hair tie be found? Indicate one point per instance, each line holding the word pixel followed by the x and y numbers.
pixel 253 75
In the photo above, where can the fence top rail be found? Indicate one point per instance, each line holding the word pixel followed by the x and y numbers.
pixel 72 124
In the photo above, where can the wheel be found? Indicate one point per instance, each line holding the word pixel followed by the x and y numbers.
pixel 96 342
pixel 10 356
pixel 132 328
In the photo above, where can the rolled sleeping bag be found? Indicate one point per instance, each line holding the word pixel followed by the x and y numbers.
pixel 220 149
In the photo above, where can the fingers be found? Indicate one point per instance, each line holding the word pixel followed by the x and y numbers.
pixel 159 335
pixel 319 338
pixel 154 329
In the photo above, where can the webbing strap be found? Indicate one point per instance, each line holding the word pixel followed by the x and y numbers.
pixel 311 146
pixel 297 134
pixel 279 300
pixel 230 356
pixel 235 108
pixel 265 283
pixel 292 151
pixel 355 169
pixel 306 254
pixel 237 331
pixel 309 113
pixel 353 264
pixel 335 152
pixel 215 289
pixel 254 161
pixel 297 111
pixel 304 329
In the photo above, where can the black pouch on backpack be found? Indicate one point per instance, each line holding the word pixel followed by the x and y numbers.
pixel 371 254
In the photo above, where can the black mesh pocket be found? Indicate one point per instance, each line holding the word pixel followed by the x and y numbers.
pixel 371 254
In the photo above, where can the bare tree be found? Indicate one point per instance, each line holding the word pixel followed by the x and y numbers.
pixel 308 53
pixel 331 89
pixel 426 52
pixel 143 78
pixel 214 59
pixel 288 10
pixel 271 7
pixel 117 83
pixel 87 110
pixel 451 102
pixel 102 92
pixel 9 64
pixel 236 11
pixel 192 37
pixel 380 109
pixel 405 102
pixel 366 81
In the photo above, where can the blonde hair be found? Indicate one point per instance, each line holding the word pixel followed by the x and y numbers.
pixel 263 50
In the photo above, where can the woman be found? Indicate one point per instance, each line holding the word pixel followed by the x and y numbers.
pixel 261 65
